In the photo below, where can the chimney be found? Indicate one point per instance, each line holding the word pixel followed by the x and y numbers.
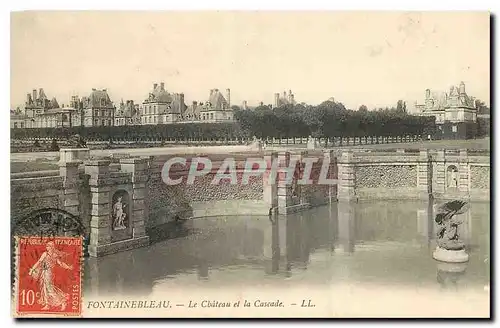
pixel 427 94
pixel 155 85
pixel 34 95
pixel 261 103
pixel 284 95
pixel 28 98
pixel 276 100
pixel 228 97
pixel 292 98
pixel 462 87
pixel 162 86
pixel 211 92
pixel 181 103
pixel 245 106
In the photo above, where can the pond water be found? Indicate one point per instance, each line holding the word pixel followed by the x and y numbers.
pixel 386 243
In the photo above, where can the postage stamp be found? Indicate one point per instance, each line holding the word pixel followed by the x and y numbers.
pixel 48 276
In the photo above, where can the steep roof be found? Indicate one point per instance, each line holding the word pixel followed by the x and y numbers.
pixel 159 95
pixel 192 111
pixel 98 99
pixel 54 103
pixel 216 101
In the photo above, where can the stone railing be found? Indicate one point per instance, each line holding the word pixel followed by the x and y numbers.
pixel 408 175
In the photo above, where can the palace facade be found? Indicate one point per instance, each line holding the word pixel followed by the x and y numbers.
pixel 454 110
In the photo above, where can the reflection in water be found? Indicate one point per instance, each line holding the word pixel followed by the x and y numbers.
pixel 448 274
pixel 386 243
pixel 347 226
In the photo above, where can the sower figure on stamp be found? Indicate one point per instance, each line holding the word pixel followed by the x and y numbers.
pixel 42 270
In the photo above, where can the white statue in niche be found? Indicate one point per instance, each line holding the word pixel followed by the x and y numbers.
pixel 452 177
pixel 119 215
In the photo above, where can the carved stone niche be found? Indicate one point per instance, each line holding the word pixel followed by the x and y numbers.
pixel 120 216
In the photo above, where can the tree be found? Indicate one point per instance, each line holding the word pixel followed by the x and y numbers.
pixel 363 109
pixel 481 107
pixel 401 106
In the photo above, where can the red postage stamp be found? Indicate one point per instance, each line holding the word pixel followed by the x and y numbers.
pixel 49 275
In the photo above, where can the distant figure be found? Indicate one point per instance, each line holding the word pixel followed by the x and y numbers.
pixel 429 137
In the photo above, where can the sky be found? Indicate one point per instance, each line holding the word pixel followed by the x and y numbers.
pixel 370 58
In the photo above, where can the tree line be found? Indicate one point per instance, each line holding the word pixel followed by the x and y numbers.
pixel 332 119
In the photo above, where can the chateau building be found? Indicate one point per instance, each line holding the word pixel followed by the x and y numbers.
pixel 192 113
pixel 127 113
pixel 97 109
pixel 40 112
pixel 161 107
pixel 217 108
pixel 17 118
pixel 454 110
pixel 286 99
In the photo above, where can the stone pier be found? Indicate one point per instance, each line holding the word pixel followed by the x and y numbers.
pixel 117 219
pixel 346 190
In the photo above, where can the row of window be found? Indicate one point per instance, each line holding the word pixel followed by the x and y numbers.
pixel 121 121
pixel 98 122
pixel 103 112
pixel 152 109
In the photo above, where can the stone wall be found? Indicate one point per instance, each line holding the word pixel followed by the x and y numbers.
pixel 166 202
pixel 386 176
pixel 480 177
pixel 408 175
pixel 30 194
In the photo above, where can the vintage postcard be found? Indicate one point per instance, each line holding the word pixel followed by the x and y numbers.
pixel 314 164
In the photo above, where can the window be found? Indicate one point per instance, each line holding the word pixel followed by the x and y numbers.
pixel 211 116
pixel 15 125
pixel 454 128
pixel 155 119
pixel 22 124
pixel 96 122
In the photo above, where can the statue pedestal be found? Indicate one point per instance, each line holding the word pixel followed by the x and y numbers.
pixel 451 256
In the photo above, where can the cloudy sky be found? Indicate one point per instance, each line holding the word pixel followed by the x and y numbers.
pixel 357 58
